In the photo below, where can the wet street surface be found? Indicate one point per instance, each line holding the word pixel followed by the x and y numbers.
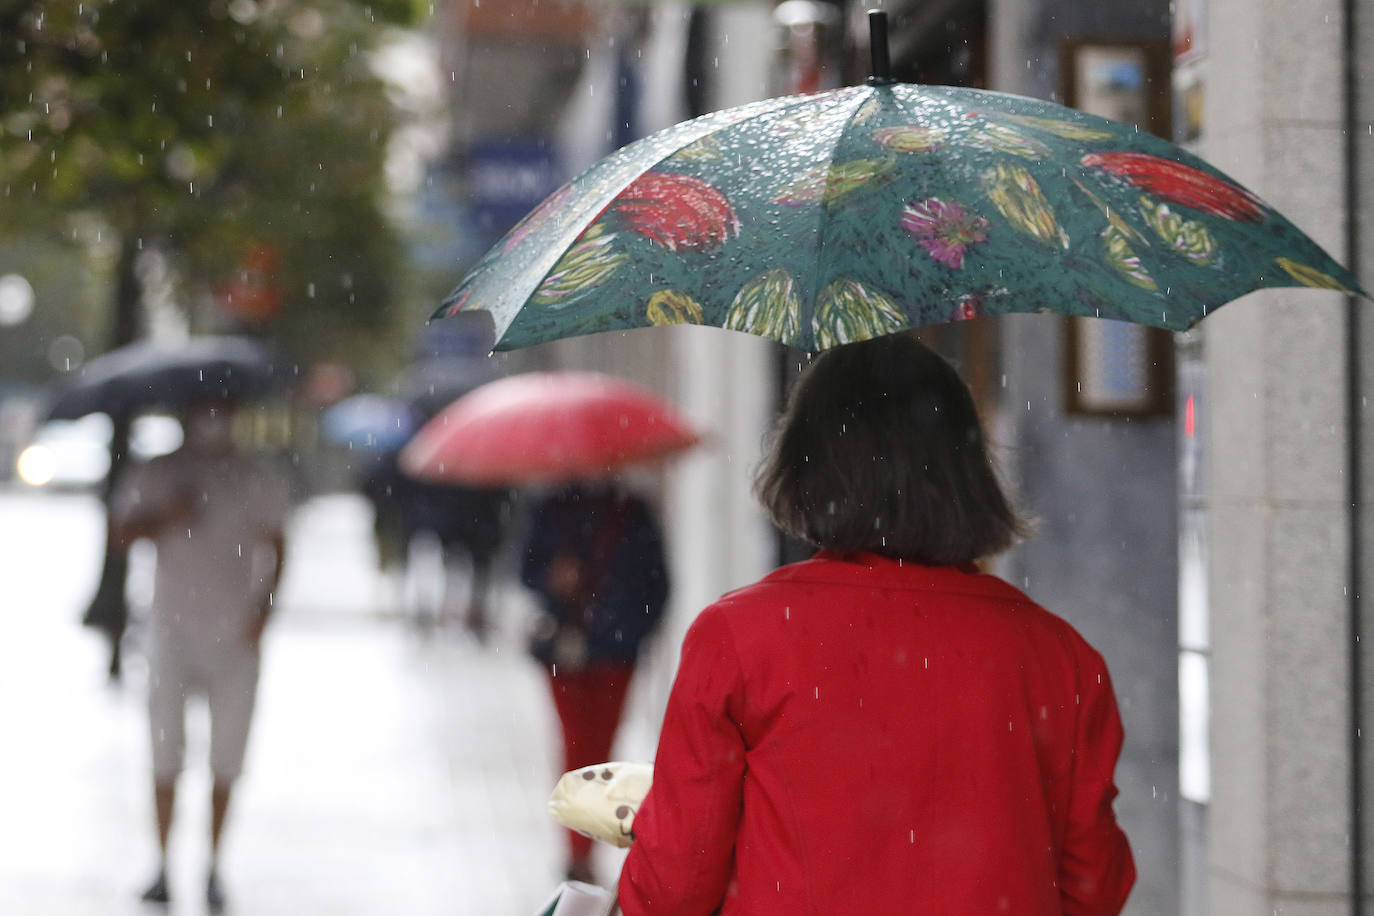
pixel 391 769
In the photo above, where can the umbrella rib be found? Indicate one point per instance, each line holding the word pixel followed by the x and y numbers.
pixel 807 333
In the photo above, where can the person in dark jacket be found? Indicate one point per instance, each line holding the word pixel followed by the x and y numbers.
pixel 883 728
pixel 595 558
pixel 464 520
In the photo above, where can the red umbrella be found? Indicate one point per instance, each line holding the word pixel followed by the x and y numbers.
pixel 542 426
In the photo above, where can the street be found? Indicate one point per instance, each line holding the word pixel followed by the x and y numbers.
pixel 390 770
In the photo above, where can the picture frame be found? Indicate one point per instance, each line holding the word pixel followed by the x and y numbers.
pixel 1114 368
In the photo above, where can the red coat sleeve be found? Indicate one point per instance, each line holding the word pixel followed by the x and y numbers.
pixel 683 853
pixel 1096 870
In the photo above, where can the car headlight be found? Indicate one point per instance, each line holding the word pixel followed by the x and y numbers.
pixel 36 465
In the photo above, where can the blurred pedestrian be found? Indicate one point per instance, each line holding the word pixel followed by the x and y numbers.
pixel 461 521
pixel 216 516
pixel 594 555
pixel 883 728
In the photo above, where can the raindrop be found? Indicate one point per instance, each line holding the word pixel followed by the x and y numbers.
pixel 16 299
pixel 66 353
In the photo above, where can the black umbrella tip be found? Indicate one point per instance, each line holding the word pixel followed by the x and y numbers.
pixel 877 43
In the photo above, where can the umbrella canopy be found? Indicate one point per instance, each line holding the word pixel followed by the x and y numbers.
pixel 822 219
pixel 369 421
pixel 545 426
pixel 145 375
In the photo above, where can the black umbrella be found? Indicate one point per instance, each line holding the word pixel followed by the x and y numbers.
pixel 145 375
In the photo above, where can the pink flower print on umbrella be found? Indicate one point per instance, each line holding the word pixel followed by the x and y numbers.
pixel 944 229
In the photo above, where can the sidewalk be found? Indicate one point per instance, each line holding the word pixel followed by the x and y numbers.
pixel 389 771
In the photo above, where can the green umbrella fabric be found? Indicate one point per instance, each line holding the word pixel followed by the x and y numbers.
pixel 829 218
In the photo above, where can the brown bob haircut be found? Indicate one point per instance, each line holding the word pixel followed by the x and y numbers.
pixel 880 449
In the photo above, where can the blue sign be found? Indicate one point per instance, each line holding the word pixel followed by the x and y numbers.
pixel 507 178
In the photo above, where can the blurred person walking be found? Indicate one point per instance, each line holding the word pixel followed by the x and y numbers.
pixel 883 728
pixel 459 520
pixel 595 557
pixel 217 517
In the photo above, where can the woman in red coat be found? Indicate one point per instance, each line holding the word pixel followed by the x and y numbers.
pixel 883 729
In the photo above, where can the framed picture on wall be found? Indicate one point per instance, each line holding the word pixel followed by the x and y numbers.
pixel 1114 368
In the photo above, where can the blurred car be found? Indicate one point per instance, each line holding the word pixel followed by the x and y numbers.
pixel 75 454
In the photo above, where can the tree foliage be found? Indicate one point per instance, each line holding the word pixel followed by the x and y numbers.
pixel 207 129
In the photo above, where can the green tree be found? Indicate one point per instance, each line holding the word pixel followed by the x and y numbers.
pixel 204 129
pixel 207 130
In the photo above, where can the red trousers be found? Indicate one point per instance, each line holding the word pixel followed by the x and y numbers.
pixel 589 702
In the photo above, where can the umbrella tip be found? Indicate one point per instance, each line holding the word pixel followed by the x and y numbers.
pixel 877 44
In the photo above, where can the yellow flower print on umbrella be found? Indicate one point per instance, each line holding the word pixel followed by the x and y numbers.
pixel 1017 196
pixel 586 266
pixel 1186 237
pixel 1310 276
pixel 909 138
pixel 829 185
pixel 669 307
pixel 1121 256
pixel 848 311
pixel 769 306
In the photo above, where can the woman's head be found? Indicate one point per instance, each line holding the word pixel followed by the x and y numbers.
pixel 880 449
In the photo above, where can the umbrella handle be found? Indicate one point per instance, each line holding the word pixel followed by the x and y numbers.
pixel 877 46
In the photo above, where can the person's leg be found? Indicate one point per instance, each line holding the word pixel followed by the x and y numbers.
pixel 167 687
pixel 589 704
pixel 604 698
pixel 232 696
pixel 570 701
pixel 220 794
pixel 476 618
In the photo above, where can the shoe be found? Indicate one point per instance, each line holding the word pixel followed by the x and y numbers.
pixel 157 891
pixel 214 894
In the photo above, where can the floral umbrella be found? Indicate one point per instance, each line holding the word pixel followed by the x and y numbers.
pixel 822 219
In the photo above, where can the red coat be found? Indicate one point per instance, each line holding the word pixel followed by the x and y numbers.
pixel 867 736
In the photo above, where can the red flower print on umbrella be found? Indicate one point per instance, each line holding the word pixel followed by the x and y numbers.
pixel 677 211
pixel 944 229
pixel 1181 184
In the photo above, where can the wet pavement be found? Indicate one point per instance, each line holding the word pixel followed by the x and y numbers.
pixel 391 769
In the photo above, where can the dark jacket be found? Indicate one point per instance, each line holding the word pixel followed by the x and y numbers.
pixel 614 538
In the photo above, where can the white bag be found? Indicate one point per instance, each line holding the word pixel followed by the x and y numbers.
pixel 600 801
pixel 576 898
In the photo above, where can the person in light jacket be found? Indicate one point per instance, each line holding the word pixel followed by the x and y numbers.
pixel 217 516
pixel 883 728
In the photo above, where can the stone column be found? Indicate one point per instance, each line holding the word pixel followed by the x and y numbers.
pixel 1278 511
